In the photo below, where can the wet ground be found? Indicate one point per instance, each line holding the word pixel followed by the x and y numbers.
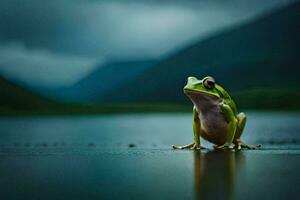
pixel 129 157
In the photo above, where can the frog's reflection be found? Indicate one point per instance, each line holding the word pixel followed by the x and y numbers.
pixel 215 174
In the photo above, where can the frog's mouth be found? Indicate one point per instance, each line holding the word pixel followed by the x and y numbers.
pixel 190 93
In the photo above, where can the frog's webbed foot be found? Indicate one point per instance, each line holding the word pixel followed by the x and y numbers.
pixel 192 146
pixel 239 145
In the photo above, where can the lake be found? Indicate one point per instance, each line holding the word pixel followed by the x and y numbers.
pixel 129 156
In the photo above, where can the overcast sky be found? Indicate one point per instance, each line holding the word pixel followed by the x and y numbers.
pixel 55 43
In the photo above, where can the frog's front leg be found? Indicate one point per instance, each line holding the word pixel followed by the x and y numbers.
pixel 239 131
pixel 232 125
pixel 196 130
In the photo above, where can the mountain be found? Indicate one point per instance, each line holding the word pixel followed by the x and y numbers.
pixel 16 99
pixel 257 58
pixel 105 78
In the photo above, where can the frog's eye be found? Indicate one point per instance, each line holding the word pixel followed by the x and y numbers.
pixel 209 82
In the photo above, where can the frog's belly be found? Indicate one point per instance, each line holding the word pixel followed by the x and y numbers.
pixel 213 124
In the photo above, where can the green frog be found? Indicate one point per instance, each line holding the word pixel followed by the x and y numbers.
pixel 215 116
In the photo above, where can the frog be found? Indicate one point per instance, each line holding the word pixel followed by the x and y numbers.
pixel 215 116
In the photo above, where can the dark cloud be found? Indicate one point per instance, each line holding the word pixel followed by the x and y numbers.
pixel 91 29
pixel 114 28
pixel 42 67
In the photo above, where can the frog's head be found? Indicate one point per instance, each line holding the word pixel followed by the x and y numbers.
pixel 203 87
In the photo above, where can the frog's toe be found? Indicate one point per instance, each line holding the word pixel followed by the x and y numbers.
pixel 183 147
pixel 176 147
pixel 197 147
pixel 224 146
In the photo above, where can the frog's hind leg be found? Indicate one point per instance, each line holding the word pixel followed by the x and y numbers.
pixel 241 122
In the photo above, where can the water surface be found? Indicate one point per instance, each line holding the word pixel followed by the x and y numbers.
pixel 129 157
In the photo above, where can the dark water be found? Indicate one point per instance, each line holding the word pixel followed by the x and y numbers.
pixel 129 157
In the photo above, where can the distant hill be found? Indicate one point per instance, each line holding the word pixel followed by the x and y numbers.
pixel 15 99
pixel 104 79
pixel 257 58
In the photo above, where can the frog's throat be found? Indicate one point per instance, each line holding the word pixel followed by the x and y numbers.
pixel 189 91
